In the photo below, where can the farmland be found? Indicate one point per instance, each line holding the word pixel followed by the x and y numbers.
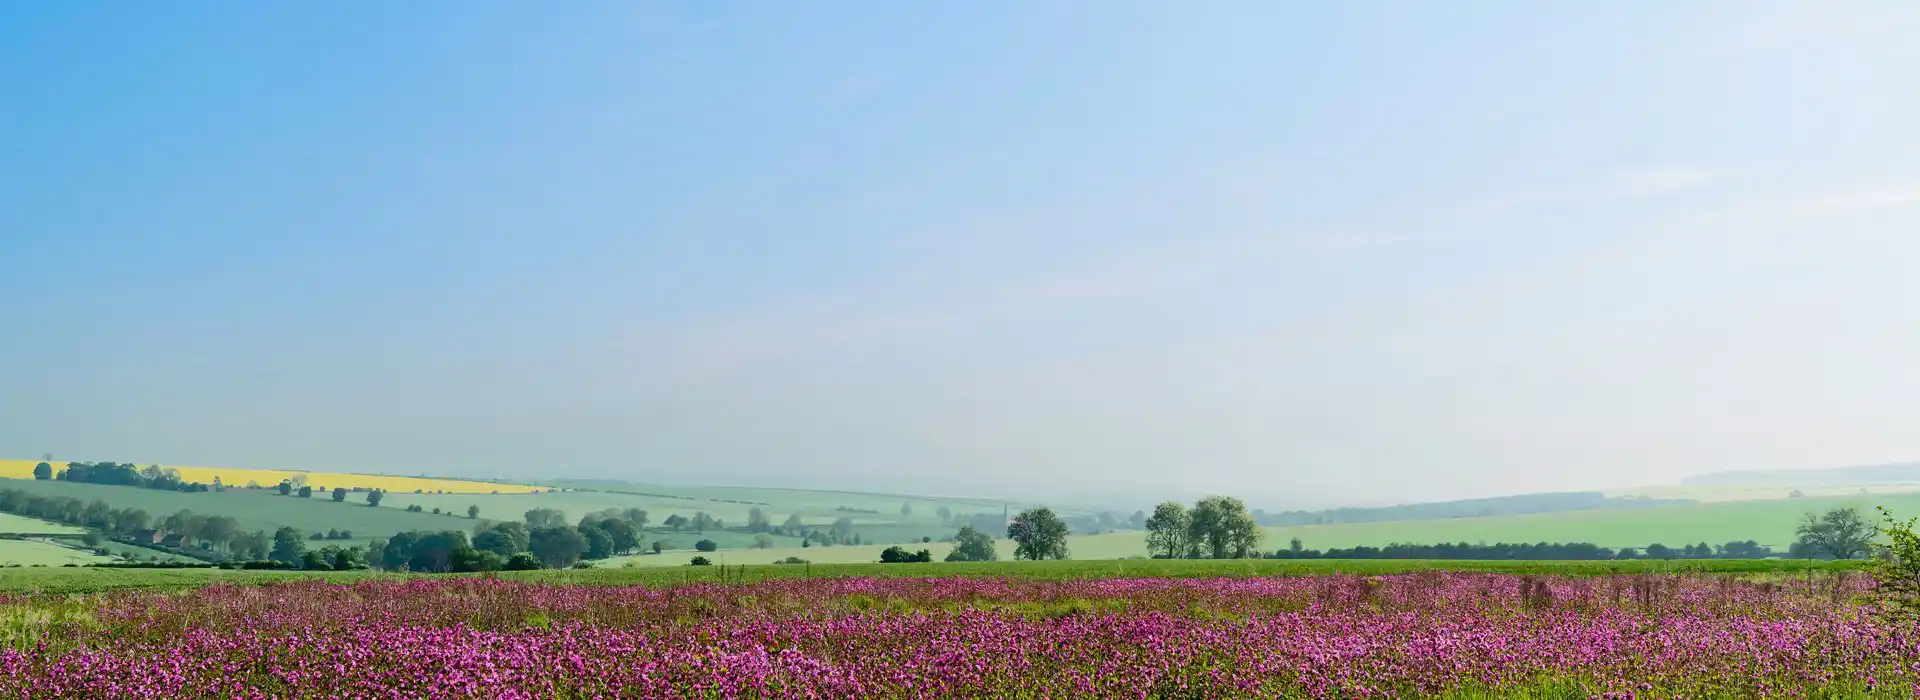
pixel 23 469
pixel 33 552
pixel 18 525
pixel 1449 634
pixel 256 510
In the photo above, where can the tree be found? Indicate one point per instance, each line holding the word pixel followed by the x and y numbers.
pixel 906 509
pixel 130 520
pixel 945 513
pixel 286 488
pixel 1220 527
pixel 657 546
pixel 638 517
pixel 1897 567
pixel 288 546
pixel 557 547
pixel 373 498
pixel 625 537
pixel 220 530
pixel 1138 520
pixel 1167 530
pixel 674 522
pixel 843 529
pixel 314 560
pixel 793 526
pixel 706 545
pixel 1038 534
pixel 473 512
pixel 1840 533
pixel 763 541
pixel 599 543
pixel 523 561
pixel 757 520
pixel 972 545
pixel 348 559
pixel 306 492
pixel 497 542
pixel 43 471
pixel 544 518
pixel 703 522
pixel 339 495
pixel 899 555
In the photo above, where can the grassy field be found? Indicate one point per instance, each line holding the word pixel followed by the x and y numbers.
pixel 1769 522
pixel 256 510
pixel 94 580
pixel 23 469
pixel 39 553
pixel 21 525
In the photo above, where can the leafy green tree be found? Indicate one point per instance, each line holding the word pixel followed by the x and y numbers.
pixel 703 522
pixel 288 546
pixel 339 495
pixel 906 509
pixel 314 560
pixel 599 543
pixel 1038 534
pixel 674 522
pixel 286 488
pixel 625 536
pixel 473 512
pixel 757 520
pixel 945 513
pixel 374 497
pixel 43 471
pixel 543 518
pixel 306 492
pixel 972 545
pixel 793 525
pixel 557 547
pixel 1220 527
pixel 349 559
pixel 1840 533
pixel 1167 530
pixel 843 529
pixel 706 545
pixel 1897 567
pixel 523 561
pixel 763 541
pixel 638 517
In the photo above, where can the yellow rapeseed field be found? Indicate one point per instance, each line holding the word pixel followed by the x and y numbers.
pixel 23 469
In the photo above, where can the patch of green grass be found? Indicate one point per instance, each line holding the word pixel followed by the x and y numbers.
pixel 40 553
pixel 11 524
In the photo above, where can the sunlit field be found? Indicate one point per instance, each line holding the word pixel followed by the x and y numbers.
pixel 23 469
pixel 1428 634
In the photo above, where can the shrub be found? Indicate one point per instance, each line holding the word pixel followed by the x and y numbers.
pixel 793 560
pixel 523 561
pixel 706 545
pixel 699 561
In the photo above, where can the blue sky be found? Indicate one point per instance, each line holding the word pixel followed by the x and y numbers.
pixel 1301 252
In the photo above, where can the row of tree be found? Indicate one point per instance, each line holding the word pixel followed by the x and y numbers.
pixel 109 473
pixel 1217 527
pixel 1522 551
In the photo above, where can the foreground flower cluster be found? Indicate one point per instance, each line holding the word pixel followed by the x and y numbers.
pixel 1429 634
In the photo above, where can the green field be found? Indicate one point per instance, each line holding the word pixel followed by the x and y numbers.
pixel 40 553
pixel 94 580
pixel 11 524
pixel 255 510
pixel 1769 522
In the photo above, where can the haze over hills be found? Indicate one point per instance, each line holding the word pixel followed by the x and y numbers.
pixel 1894 473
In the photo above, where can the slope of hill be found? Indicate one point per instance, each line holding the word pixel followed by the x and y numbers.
pixel 1523 504
pixel 1902 472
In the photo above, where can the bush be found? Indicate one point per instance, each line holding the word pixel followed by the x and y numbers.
pixel 898 555
pixel 523 561
pixel 1897 566
pixel 699 561
pixel 793 560
pixel 583 565
pixel 706 545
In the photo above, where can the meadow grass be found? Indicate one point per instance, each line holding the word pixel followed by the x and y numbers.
pixel 93 580
pixel 28 553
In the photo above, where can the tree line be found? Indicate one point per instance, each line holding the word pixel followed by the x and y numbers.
pixel 109 473
pixel 1522 551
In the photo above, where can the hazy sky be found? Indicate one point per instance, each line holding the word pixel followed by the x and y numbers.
pixel 1299 252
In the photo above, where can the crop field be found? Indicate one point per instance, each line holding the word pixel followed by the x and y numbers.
pixel 256 510
pixel 23 469
pixel 1443 634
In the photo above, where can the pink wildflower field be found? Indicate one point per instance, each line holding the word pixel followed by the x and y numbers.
pixel 1427 634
